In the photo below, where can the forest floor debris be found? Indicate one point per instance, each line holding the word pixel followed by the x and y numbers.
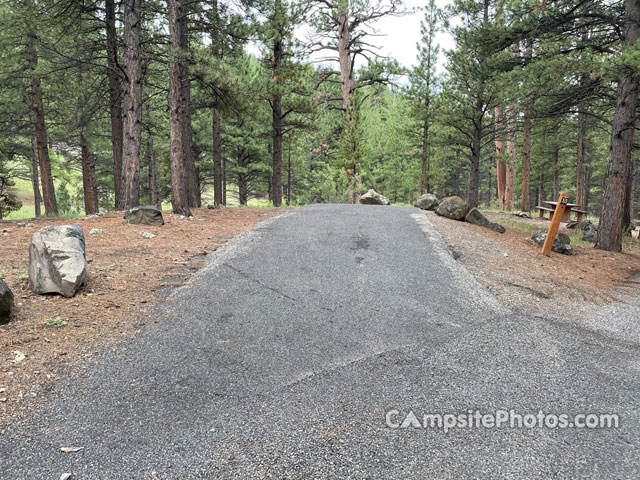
pixel 127 275
pixel 511 266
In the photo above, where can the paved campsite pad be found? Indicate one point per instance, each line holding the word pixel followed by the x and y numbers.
pixel 284 356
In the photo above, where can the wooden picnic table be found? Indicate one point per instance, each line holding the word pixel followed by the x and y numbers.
pixel 566 217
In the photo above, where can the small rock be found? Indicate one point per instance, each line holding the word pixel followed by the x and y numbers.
pixel 144 215
pixel 6 303
pixel 562 243
pixel 374 198
pixel 475 217
pixel 19 357
pixel 96 231
pixel 65 476
pixel 453 207
pixel 428 201
pixel 147 235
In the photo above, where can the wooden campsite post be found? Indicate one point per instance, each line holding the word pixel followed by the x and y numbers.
pixel 563 199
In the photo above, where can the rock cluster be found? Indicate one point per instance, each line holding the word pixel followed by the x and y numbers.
pixel 57 260
pixel 457 209
pixel 474 216
pixel 589 230
pixel 428 201
pixel 144 215
pixel 374 198
pixel 562 243
pixel 453 207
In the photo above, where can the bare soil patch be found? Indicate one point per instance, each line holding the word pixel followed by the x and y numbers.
pixel 511 266
pixel 52 336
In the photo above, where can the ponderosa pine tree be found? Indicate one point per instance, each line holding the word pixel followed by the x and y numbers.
pixel 423 82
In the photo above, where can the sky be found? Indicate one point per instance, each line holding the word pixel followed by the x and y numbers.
pixel 403 33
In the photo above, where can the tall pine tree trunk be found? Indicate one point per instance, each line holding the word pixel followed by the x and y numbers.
pixel 179 200
pixel 616 187
pixel 501 167
pixel 348 92
pixel 35 182
pixel 556 173
pixel 115 100
pixel 276 107
pixel 217 160
pixel 88 177
pixel 526 163
pixel 510 182
pixel 40 131
pixel 192 189
pixel 216 48
pixel 224 181
pixel 474 168
pixel 425 146
pixel 132 129
pixel 580 159
pixel 154 187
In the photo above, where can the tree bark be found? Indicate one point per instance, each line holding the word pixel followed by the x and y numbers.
pixel 348 89
pixel 556 173
pixel 88 177
pixel 192 188
pixel 276 107
pixel 512 159
pixel 179 200
pixel 132 129
pixel 526 163
pixel 501 167
pixel 154 188
pixel 217 160
pixel 242 176
pixel 289 175
pixel 474 168
pixel 580 158
pixel 115 100
pixel 224 181
pixel 35 183
pixel 40 131
pixel 424 186
pixel 629 211
pixel 616 199
pixel 216 48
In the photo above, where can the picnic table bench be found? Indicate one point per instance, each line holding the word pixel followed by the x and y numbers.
pixel 566 217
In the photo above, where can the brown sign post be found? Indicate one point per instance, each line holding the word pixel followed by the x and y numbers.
pixel 563 199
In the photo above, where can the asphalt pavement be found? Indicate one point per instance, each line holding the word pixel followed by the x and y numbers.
pixel 313 346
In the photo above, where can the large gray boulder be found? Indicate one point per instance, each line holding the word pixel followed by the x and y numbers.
pixel 428 201
pixel 453 207
pixel 474 216
pixel 562 243
pixel 57 260
pixel 374 198
pixel 6 303
pixel 144 215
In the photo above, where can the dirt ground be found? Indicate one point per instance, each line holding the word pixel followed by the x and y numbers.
pixel 513 268
pixel 127 275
